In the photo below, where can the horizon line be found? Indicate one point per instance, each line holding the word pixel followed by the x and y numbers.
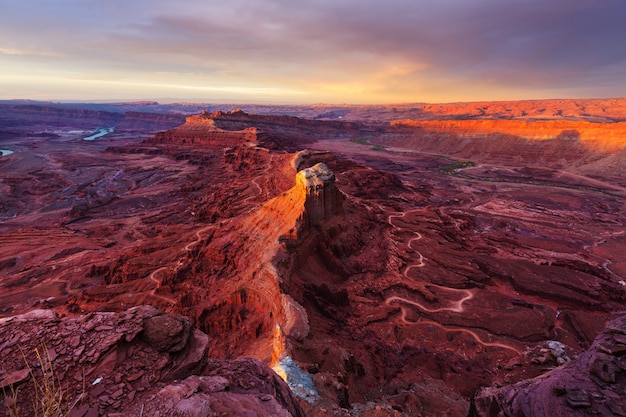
pixel 174 101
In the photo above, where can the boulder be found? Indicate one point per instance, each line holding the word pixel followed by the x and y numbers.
pixel 594 384
pixel 138 362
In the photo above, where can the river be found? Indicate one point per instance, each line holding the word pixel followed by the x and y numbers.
pixel 101 132
pixel 5 152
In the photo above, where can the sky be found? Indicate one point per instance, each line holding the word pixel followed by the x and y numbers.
pixel 312 51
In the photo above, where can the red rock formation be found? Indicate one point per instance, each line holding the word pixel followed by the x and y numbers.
pixel 586 109
pixel 138 362
pixel 593 384
pixel 578 146
pixel 433 278
pixel 273 132
pixel 199 130
pixel 323 200
pixel 599 137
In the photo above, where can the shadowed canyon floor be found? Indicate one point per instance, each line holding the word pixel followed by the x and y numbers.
pixel 411 266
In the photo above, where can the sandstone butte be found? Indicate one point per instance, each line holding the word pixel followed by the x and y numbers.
pixel 190 270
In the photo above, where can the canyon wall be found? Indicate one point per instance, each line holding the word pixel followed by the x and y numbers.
pixel 272 132
pixel 600 137
pixel 323 200
pixel 29 117
pixel 560 144
pixel 32 118
pixel 600 110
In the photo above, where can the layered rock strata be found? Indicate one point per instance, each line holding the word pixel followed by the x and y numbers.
pixel 137 362
pixel 560 144
pixel 598 136
pixel 594 384
pixel 227 129
pixel 322 197
pixel 200 130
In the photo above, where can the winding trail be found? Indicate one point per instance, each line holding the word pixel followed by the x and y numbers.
pixel 153 293
pixel 256 184
pixel 152 277
pixel 455 307
pixel 593 181
pixel 417 237
pixel 472 333
pixel 199 237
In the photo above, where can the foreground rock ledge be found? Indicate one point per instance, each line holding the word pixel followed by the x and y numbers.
pixel 594 384
pixel 138 362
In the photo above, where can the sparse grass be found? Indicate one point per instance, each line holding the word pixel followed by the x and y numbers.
pixel 49 399
pixel 10 400
pixel 453 167
pixel 366 141
pixel 360 141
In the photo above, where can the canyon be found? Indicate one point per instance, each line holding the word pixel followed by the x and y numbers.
pixel 414 260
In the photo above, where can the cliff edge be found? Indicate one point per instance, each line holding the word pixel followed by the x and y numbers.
pixel 594 384
pixel 322 199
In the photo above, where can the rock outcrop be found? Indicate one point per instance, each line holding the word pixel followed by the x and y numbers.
pixel 202 130
pixel 594 384
pixel 227 129
pixel 323 200
pixel 137 362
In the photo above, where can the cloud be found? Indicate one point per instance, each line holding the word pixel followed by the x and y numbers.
pixel 406 49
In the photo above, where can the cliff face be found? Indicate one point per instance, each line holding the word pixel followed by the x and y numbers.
pixel 247 264
pixel 597 136
pixel 201 130
pixel 582 109
pixel 273 132
pixel 556 143
pixel 322 197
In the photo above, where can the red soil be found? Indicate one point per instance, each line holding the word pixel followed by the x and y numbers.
pixel 427 279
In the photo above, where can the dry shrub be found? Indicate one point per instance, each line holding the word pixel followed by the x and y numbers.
pixel 49 398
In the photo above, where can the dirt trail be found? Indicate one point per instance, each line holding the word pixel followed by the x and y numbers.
pixel 455 306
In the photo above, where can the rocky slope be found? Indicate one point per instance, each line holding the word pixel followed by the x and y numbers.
pixel 376 282
pixel 592 384
pixel 590 148
pixel 137 362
